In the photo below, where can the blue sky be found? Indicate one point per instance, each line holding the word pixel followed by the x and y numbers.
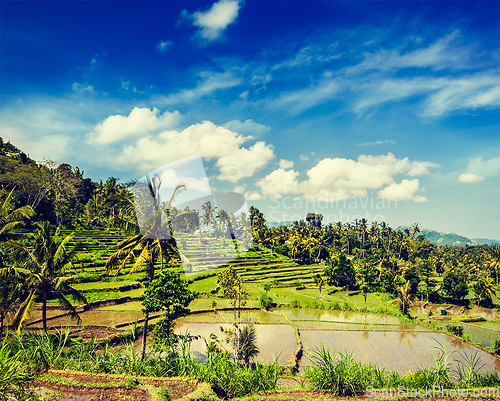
pixel 383 110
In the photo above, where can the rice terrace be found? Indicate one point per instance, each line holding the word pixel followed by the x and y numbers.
pixel 249 200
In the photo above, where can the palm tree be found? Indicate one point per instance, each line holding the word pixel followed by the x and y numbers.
pixel 10 219
pixel 150 245
pixel 245 342
pixel 405 298
pixel 494 261
pixel 46 262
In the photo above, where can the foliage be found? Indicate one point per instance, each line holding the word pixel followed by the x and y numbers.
pixel 455 286
pixel 265 301
pixel 167 293
pixel 340 272
pixel 15 378
pixel 455 330
pixel 46 260
pixel 245 342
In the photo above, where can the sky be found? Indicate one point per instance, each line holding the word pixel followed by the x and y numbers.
pixel 378 110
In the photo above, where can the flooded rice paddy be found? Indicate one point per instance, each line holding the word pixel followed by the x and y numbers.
pixel 377 339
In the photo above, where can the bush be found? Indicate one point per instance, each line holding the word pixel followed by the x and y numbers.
pixel 265 301
pixel 496 347
pixel 296 303
pixel 455 330
pixel 444 312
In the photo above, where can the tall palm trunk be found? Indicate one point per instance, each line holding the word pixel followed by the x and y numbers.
pixel 44 308
pixel 151 274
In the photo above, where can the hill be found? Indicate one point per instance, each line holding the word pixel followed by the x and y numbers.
pixel 454 239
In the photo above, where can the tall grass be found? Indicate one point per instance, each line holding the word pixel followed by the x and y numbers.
pixel 341 374
pixel 15 378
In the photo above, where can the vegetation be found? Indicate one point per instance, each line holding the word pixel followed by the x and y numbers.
pixel 70 244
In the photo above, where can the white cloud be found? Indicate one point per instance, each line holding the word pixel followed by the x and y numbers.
pixel 239 189
pixel 140 121
pixel 41 147
pixel 468 177
pixel 405 190
pixel 211 82
pixel 481 90
pixel 279 181
pixel 284 164
pixel 215 20
pixel 243 95
pixel 125 85
pixel 336 179
pixel 486 168
pixel 303 157
pixel 377 143
pixel 297 101
pixel 163 45
pixel 444 53
pixel 206 139
pixel 170 178
pixel 244 162
pixel 82 88
pixel 421 168
pixel 249 127
pixel 252 196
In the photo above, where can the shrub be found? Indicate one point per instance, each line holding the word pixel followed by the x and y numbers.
pixel 455 330
pixel 265 301
pixel 296 303
pixel 496 347
pixel 444 312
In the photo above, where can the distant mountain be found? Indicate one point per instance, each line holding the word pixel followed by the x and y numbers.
pixel 453 239
pixel 278 224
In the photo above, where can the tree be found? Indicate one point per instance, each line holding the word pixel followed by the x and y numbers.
pixel 231 286
pixel 455 286
pixel 340 272
pixel 10 219
pixel 154 243
pixel 167 293
pixel 245 343
pixel 484 289
pixel 493 260
pixel 320 282
pixel 405 298
pixel 46 260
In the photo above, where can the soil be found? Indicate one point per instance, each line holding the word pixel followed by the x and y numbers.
pixel 178 388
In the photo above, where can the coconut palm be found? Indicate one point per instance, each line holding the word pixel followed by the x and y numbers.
pixel 10 219
pixel 45 260
pixel 405 298
pixel 494 261
pixel 245 342
pixel 154 243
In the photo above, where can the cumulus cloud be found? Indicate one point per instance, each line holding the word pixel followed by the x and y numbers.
pixel 279 181
pixel 163 45
pixel 244 162
pixel 421 168
pixel 468 177
pixel 487 168
pixel 140 121
pixel 248 127
pixel 252 196
pixel 284 164
pixel 206 139
pixel 214 21
pixel 340 178
pixel 405 190
pixel 239 189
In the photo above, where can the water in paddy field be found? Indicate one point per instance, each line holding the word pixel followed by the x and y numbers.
pixel 403 352
pixel 273 340
pixel 376 339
